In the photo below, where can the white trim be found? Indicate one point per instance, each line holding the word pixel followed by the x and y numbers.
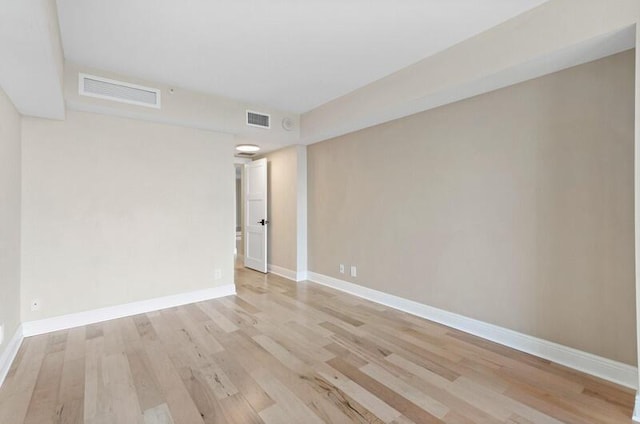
pixel 287 273
pixel 63 322
pixel 240 161
pixel 82 76
pixel 10 352
pixel 636 200
pixel 617 372
pixel 636 409
pixel 282 272
pixel 301 209
pixel 302 276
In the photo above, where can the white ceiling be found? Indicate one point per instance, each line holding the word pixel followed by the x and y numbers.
pixel 31 71
pixel 292 55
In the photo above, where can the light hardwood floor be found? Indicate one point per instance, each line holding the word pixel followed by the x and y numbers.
pixel 281 352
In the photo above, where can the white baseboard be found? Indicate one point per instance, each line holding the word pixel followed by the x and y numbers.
pixel 617 372
pixel 636 409
pixel 302 276
pixel 282 272
pixel 10 352
pixel 287 273
pixel 63 322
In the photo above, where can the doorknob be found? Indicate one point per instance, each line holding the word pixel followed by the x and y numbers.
pixel 263 222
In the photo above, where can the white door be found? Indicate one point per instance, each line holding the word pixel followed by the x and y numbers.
pixel 255 215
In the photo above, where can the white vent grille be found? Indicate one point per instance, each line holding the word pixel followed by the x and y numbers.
pixel 245 154
pixel 124 92
pixel 260 120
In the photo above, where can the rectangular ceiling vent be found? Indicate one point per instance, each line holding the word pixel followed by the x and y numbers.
pixel 257 119
pixel 245 154
pixel 118 91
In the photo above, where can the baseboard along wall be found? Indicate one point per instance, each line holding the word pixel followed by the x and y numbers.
pixel 10 352
pixel 63 322
pixel 289 274
pixel 616 372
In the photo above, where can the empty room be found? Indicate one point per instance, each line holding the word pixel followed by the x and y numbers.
pixel 299 212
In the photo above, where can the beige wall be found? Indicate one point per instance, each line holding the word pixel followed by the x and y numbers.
pixel 9 218
pixel 282 174
pixel 510 51
pixel 514 207
pixel 117 210
pixel 185 108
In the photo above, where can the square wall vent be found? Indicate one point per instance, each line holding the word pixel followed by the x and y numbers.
pixel 257 119
pixel 118 91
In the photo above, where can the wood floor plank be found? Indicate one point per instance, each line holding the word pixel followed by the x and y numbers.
pixel 144 380
pixel 221 320
pixel 70 408
pixel 295 375
pixel 368 400
pixel 121 390
pixel 281 352
pixel 93 380
pixel 294 409
pixel 238 410
pixel 181 404
pixel 42 408
pixel 392 398
pixel 498 403
pixel 438 388
pixel 407 391
pixel 252 392
pixel 159 414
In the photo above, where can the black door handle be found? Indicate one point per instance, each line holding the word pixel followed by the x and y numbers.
pixel 263 222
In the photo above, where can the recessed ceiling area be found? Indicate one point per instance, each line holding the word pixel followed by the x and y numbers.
pixel 287 54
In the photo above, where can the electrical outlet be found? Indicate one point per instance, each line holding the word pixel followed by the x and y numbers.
pixel 341 268
pixel 35 304
pixel 354 271
pixel 217 274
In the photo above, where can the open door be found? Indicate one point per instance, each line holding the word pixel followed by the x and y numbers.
pixel 255 215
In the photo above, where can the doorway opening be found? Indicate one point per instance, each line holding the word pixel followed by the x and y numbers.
pixel 238 251
pixel 251 219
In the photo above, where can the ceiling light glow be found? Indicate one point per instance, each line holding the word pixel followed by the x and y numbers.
pixel 247 148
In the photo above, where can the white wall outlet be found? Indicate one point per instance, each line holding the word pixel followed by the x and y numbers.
pixel 217 274
pixel 35 304
pixel 341 268
pixel 1 334
pixel 354 271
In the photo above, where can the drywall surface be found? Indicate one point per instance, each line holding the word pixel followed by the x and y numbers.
pixel 514 207
pixel 507 51
pixel 9 218
pixel 186 108
pixel 117 210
